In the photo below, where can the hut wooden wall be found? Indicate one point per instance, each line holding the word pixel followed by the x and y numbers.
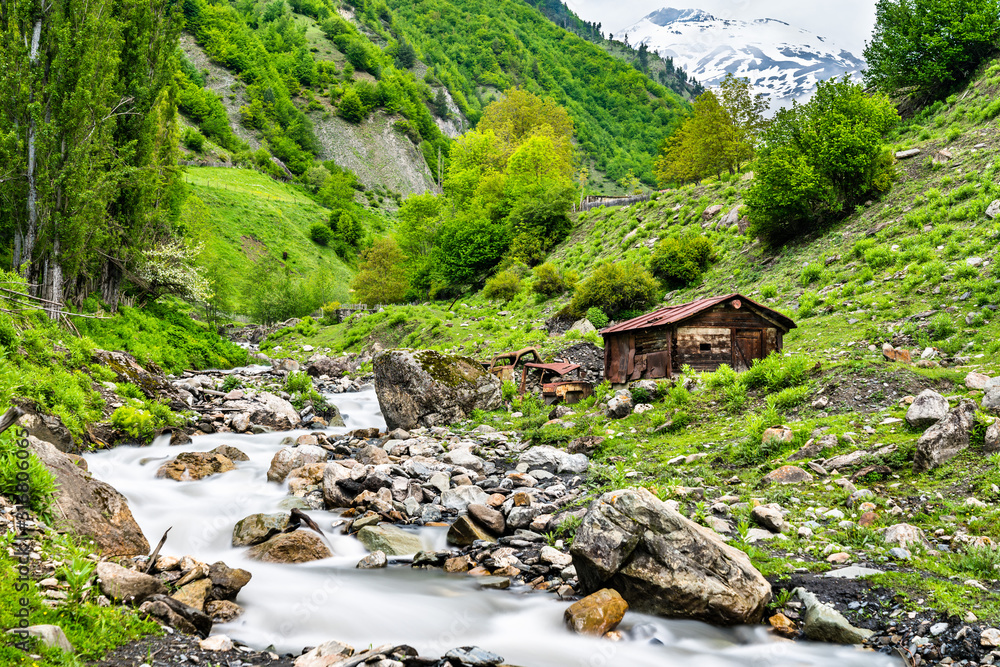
pixel 687 350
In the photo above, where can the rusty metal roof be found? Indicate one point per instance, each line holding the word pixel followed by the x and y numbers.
pixel 559 368
pixel 674 314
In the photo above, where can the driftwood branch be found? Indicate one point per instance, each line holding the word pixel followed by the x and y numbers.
pixel 10 418
pixel 156 551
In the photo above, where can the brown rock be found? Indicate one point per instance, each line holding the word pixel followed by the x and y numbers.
pixel 119 583
pixel 496 500
pixel 88 507
pixel 585 445
pixel 488 518
pixel 867 519
pixel 194 594
pixel 597 613
pixel 230 453
pixel 783 625
pixel 479 571
pixel 896 354
pixel 300 546
pixel 780 433
pixel 786 475
pixel 458 564
pixel 465 531
pixel 195 465
pixel 522 499
pixel 223 611
pixel 227 581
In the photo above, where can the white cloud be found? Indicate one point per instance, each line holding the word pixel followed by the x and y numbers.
pixel 847 23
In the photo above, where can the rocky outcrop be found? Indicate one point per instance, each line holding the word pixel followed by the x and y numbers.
pixel 945 439
pixel 177 615
pixel 663 563
pixel 927 409
pixel 300 546
pixel 426 388
pixel 48 428
pixel 89 507
pixel 152 382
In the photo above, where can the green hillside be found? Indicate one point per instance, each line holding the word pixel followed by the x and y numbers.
pixel 242 217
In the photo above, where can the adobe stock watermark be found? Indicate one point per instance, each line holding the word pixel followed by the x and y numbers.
pixel 21 544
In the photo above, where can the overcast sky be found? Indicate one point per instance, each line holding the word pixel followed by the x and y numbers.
pixel 848 23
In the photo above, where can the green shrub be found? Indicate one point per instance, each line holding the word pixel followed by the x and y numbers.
pixel 550 281
pixel 615 288
pixel 502 286
pixel 807 304
pixel 193 139
pixel 769 291
pixel 810 274
pixel 879 257
pixel 941 326
pixel 40 484
pixel 321 233
pixel 776 372
pixel 789 397
pixel 597 317
pixel 680 261
pixel 138 423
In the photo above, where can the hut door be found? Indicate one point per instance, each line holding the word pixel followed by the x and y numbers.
pixel 749 346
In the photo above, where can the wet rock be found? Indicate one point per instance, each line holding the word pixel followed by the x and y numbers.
pixel 473 656
pixel 227 581
pixel 783 625
pixel 177 615
pixel 88 507
pixel 944 439
pixel 121 584
pixel 786 475
pixel 47 635
pixel 823 623
pixel 258 528
pixel 458 564
pixel 390 539
pixel 488 518
pixel 927 409
pixel 465 531
pixel 554 460
pixel 665 564
pixel 223 611
pixel 300 546
pixel 231 453
pixel 195 465
pixel 287 459
pixel 426 388
pixel 373 561
pixel 596 614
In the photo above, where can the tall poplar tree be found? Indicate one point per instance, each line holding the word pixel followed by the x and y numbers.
pixel 86 137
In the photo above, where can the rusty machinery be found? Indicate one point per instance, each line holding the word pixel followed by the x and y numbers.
pixel 505 365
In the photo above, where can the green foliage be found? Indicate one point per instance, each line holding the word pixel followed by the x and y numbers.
pixel 776 372
pixel 382 276
pixel 273 293
pixel 680 261
pixel 321 233
pixel 24 477
pixel 819 159
pixel 929 46
pixel 810 274
pixel 789 397
pixel 508 390
pixel 597 317
pixel 550 281
pixel 138 423
pixel 193 139
pixel 769 291
pixel 615 288
pixel 503 286
pixel 941 326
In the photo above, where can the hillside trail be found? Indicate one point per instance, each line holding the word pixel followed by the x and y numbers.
pixel 289 607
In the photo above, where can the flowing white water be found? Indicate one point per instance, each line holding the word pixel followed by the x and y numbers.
pixel 292 606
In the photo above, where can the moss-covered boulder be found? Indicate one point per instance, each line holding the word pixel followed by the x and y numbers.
pixel 426 388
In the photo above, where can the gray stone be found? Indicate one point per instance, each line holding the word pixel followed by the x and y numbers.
pixel 390 539
pixel 663 563
pixel 991 400
pixel 927 409
pixel 991 443
pixel 852 572
pixel 945 439
pixel 823 623
pixel 426 388
pixel 124 585
pixel 461 497
pixel 472 656
pixel 993 210
pixel 324 655
pixel 903 535
pixel 554 460
pixel 620 405
pixel 287 459
pixel 769 516
pixel 258 528
pixel 373 561
pixel 899 553
pixel 488 518
pixel 47 635
pixel 466 459
pixel 583 326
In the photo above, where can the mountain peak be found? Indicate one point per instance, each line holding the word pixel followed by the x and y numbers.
pixel 668 15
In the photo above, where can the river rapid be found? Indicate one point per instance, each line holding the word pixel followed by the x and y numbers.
pixel 290 607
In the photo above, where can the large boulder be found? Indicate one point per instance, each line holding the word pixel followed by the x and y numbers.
pixel 927 409
pixel 48 428
pixel 88 507
pixel 426 388
pixel 389 539
pixel 946 438
pixel 195 465
pixel 663 563
pixel 122 584
pixel 227 581
pixel 333 367
pixel 152 382
pixel 287 459
pixel 299 546
pixel 258 528
pixel 548 458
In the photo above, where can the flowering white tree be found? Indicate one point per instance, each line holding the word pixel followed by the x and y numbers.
pixel 169 268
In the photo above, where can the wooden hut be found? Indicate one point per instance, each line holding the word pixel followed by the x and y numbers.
pixel 703 334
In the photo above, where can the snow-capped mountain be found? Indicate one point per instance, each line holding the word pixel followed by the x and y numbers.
pixel 780 60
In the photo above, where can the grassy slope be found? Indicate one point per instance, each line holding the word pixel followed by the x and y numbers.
pixel 849 287
pixel 241 215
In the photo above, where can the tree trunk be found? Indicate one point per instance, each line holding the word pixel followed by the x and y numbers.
pixel 111 278
pixel 27 246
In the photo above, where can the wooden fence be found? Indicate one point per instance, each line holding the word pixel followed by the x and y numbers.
pixel 597 202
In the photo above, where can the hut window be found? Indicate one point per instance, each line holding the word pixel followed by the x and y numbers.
pixel 706 347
